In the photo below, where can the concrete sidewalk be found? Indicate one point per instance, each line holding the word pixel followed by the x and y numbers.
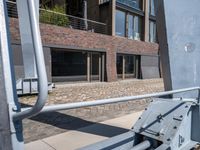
pixel 85 136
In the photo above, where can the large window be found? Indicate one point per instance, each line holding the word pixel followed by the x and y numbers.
pixel 134 27
pixel 152 31
pixel 128 25
pixel 77 65
pixel 120 23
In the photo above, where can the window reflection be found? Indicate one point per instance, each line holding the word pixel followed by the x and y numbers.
pixel 120 23
pixel 152 7
pixel 134 27
pixel 152 31
pixel 132 3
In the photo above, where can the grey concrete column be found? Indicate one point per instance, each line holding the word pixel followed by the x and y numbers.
pixel 26 38
pixel 146 20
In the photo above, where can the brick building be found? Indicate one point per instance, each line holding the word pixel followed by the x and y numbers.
pixel 104 40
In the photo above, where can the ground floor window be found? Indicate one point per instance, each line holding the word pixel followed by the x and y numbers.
pixel 70 65
pixel 127 66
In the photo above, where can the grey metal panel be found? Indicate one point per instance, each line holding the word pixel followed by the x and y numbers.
pixel 11 132
pixel 195 124
pixel 178 24
pixel 26 37
pixel 149 60
pixel 160 118
pixel 5 138
pixel 150 72
pixel 150 67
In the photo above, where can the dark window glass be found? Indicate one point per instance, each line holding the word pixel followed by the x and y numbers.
pixel 120 23
pixel 129 65
pixel 95 64
pixel 119 64
pixel 152 32
pixel 69 63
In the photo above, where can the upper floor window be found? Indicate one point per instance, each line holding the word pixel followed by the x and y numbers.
pixel 132 3
pixel 134 27
pixel 120 20
pixel 152 32
pixel 152 9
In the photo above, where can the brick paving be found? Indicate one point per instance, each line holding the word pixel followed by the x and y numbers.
pixel 49 124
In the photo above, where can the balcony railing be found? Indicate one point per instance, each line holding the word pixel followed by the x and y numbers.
pixel 64 20
pixel 130 3
pixel 103 1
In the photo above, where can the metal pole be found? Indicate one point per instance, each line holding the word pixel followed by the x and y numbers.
pixel 11 136
pixel 109 101
pixel 85 14
pixel 40 65
pixel 142 146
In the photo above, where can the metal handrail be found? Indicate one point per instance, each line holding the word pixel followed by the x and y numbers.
pixel 67 15
pixel 110 101
pixel 40 65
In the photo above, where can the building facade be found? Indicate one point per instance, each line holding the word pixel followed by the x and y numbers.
pixel 94 40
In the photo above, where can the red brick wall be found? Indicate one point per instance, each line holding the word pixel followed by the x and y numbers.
pixel 54 35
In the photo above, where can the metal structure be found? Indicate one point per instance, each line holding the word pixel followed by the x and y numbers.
pixel 163 124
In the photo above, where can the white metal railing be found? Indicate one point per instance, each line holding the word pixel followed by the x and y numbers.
pixel 130 3
pixel 103 1
pixel 76 105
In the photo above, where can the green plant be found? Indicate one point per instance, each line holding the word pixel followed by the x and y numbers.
pixel 55 16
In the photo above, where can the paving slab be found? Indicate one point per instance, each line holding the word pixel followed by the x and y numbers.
pixel 88 135
pixel 38 145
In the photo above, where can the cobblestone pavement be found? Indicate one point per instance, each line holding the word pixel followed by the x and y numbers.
pixel 45 125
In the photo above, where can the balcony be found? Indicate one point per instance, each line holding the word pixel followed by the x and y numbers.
pixel 61 19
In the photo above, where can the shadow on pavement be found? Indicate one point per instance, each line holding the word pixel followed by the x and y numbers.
pixel 67 122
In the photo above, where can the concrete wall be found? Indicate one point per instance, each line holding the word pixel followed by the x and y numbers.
pixel 59 36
